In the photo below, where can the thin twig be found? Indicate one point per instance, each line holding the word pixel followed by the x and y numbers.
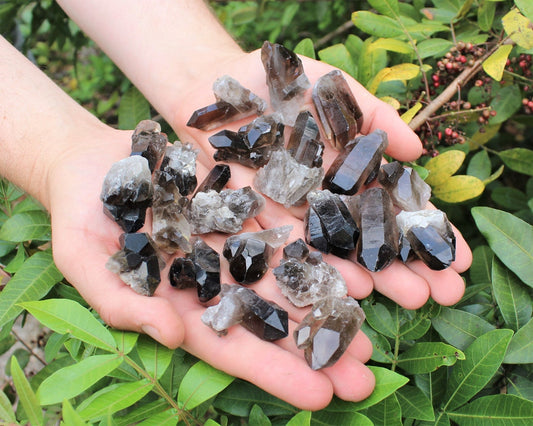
pixel 29 348
pixel 328 37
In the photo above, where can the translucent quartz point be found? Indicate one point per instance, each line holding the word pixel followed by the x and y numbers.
pixel 286 80
pixel 137 263
pixel 241 305
pixel 252 144
pixel 217 179
pixel 329 226
pixel 337 109
pixel 285 180
pixel 233 103
pixel 405 252
pixel 223 211
pixel 378 243
pixel 148 142
pixel 127 192
pixel 431 236
pixel 406 188
pixel 357 164
pixel 305 279
pixel 200 270
pixel 249 253
pixel 328 329
pixel 305 144
pixel 171 230
pixel 178 168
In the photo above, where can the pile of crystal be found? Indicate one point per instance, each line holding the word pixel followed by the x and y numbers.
pixel 337 109
pixel 429 235
pixel 286 80
pixel 137 263
pixel 148 142
pixel 200 269
pixel 249 253
pixel 329 225
pixel 127 192
pixel 233 102
pixel 328 329
pixel 304 278
pixel 241 305
pixel 252 144
pixel 290 174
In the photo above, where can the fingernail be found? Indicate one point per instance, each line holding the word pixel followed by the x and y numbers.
pixel 152 332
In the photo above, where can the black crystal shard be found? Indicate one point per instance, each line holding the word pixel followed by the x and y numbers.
pixel 178 168
pixel 212 116
pixel 357 164
pixel 216 180
pixel 148 142
pixel 182 273
pixel 296 250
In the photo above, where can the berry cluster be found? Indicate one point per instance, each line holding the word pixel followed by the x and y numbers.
pixel 454 62
pixel 520 65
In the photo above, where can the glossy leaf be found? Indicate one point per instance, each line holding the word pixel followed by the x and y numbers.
pixel 520 386
pixel 459 188
pixel 494 176
pixel 26 226
pixel 495 63
pixel 443 166
pixel 414 404
pixel 460 328
pixel 518 159
pixel 6 409
pixel 376 25
pixel 73 380
pixel 124 340
pixel 306 48
pixel 386 412
pixel 510 198
pixel 326 418
pixel 338 56
pixel 303 418
pixel 132 109
pixel 506 103
pixel 433 47
pixel 387 382
pixel 380 319
pixel 485 15
pixel 520 349
pixel 425 357
pixel 392 45
pixel 33 281
pixel 166 418
pixel 526 7
pixel 513 300
pixel 28 399
pixel 408 115
pixel 481 269
pixel 154 356
pixel 509 238
pixel 479 166
pixel 481 138
pixel 483 358
pixel 495 410
pixel 381 347
pixel 147 410
pixel 258 417
pixel 66 316
pixel 517 27
pixel 389 8
pixel 201 383
pixel 70 416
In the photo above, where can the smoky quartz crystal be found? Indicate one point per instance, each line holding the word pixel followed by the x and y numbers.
pixel 148 142
pixel 406 188
pixel 178 168
pixel 241 305
pixel 327 330
pixel 304 143
pixel 216 180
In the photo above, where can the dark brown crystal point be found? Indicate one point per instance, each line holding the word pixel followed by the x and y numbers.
pixel 378 243
pixel 406 188
pixel 326 332
pixel 329 226
pixel 137 263
pixel 304 144
pixel 240 305
pixel 286 80
pixel 200 269
pixel 148 141
pixel 216 180
pixel 337 109
pixel 357 164
pixel 213 116
pixel 178 168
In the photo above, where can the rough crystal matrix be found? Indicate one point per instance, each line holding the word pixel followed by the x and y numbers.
pixel 337 109
pixel 240 305
pixel 249 253
pixel 286 80
pixel 406 188
pixel 328 329
pixel 304 279
pixel 148 142
pixel 178 168
pixel 137 263
pixel 127 192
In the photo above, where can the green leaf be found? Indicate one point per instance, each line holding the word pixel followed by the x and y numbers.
pixel 485 15
pixel 26 226
pixel 146 410
pixel 6 409
pixel 258 417
pixel 154 356
pixel 387 382
pixel 303 418
pixel 376 25
pixel 124 340
pixel 74 379
pixel 381 347
pixel 481 138
pixel 33 281
pixel 113 398
pixel 483 358
pixel 520 349
pixel 326 418
pixel 495 63
pixel 459 188
pixel 443 166
pixel 506 103
pixel 414 404
pixel 518 27
pixel 386 412
pixel 70 416
pixel 479 165
pixel 509 238
pixel 518 159
pixel 166 418
pixel 425 357
pixel 520 386
pixel 15 264
pixel 132 109
pixel 66 316
pixel 495 410
pixel 338 56
pixel 433 47
pixel 513 300
pixel 306 48
pixel 526 7
pixel 509 198
pixel 389 8
pixel 392 45
pixel 201 383
pixel 494 176
pixel 460 328
pixel 27 397
pixel 481 269
pixel 380 319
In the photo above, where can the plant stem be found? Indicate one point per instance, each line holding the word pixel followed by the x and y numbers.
pixel 328 37
pixel 28 347
pixel 396 342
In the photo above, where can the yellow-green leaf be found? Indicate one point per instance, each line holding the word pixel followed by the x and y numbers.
pixel 393 102
pixel 376 81
pixel 481 138
pixel 495 63
pixel 443 166
pixel 518 27
pixel 408 115
pixel 392 45
pixel 459 188
pixel 402 72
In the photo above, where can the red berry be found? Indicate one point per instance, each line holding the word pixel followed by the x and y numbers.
pixel 455 135
pixel 467 105
pixel 479 83
pixel 439 135
pixel 530 104
pixel 449 66
pixel 435 77
pixel 448 131
pixel 493 113
pixel 525 101
pixel 436 84
pixel 507 62
pixel 522 64
pixel 462 59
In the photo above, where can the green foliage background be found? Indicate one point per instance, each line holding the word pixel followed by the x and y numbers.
pixel 465 364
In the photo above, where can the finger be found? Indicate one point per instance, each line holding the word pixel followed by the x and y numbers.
pixel 463 254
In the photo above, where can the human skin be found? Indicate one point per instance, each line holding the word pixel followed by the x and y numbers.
pixel 173 51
